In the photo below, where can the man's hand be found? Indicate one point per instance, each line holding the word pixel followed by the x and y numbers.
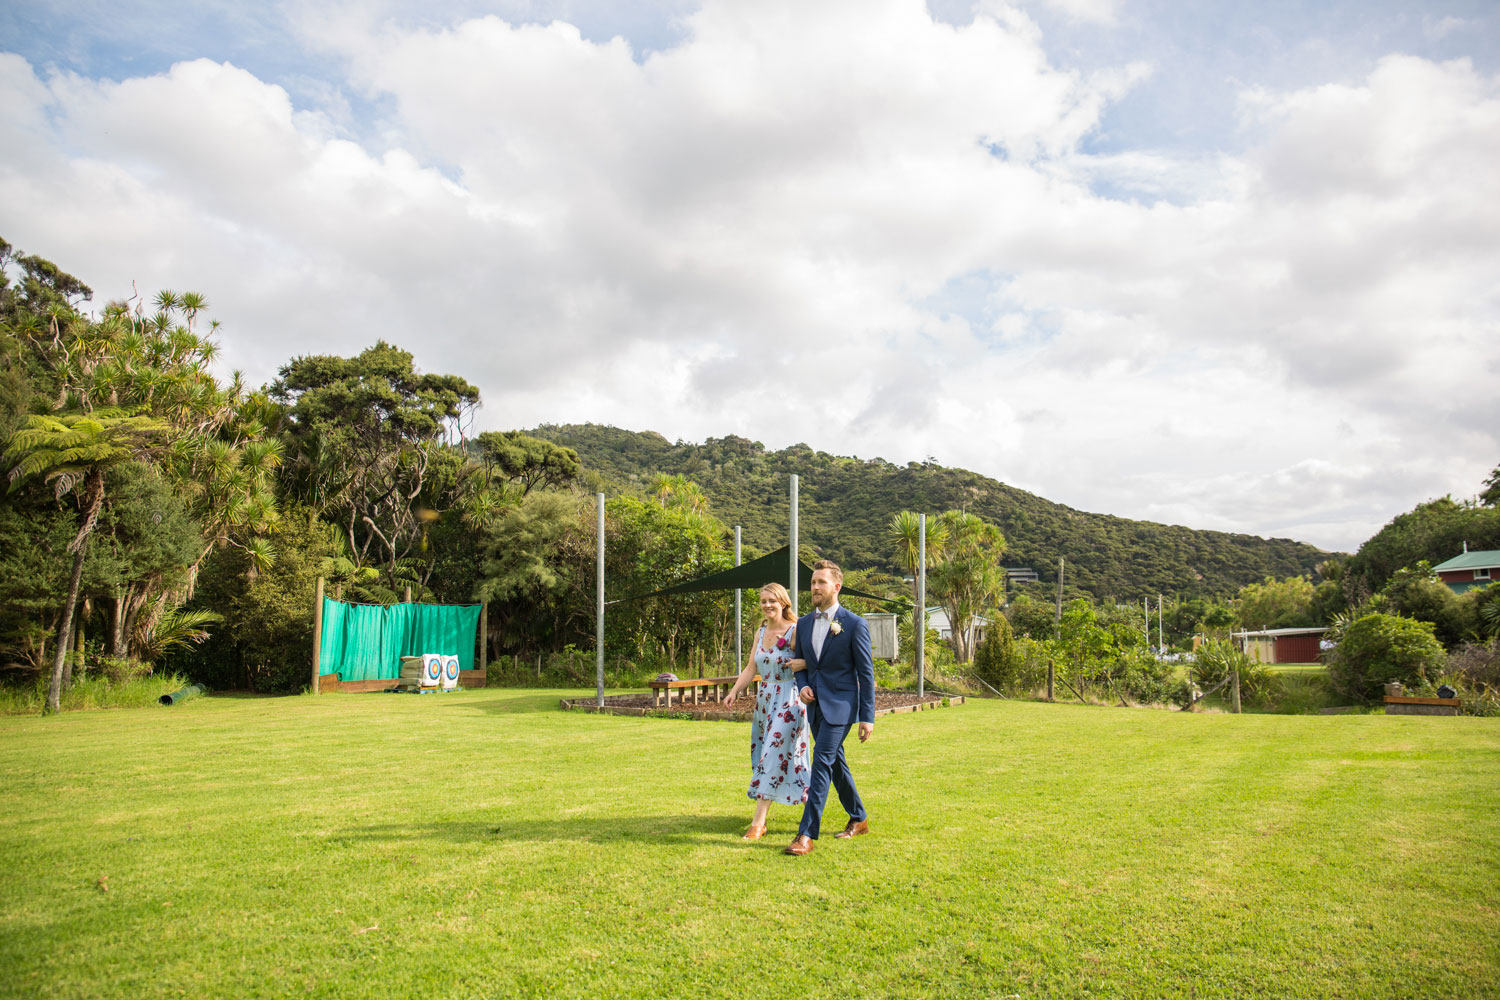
pixel 866 730
pixel 808 697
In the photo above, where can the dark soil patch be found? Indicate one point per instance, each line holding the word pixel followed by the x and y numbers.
pixel 886 703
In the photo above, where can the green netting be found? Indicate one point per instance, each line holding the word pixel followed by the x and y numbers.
pixel 363 642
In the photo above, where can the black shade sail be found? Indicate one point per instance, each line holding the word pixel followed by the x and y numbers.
pixel 769 568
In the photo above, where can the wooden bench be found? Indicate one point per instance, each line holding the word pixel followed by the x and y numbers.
pixel 718 686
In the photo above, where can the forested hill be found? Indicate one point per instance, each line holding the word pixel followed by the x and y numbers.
pixel 847 503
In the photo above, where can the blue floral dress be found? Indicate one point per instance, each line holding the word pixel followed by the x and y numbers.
pixel 780 766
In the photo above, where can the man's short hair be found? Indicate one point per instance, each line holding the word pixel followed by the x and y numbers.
pixel 832 568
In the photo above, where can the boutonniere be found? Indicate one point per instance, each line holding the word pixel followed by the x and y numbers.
pixel 835 627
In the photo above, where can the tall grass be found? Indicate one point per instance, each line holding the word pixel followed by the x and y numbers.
pixel 90 691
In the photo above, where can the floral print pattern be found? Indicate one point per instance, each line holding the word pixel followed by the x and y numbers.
pixel 780 759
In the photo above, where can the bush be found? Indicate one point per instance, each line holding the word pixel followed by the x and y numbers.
pixel 1474 671
pixel 1150 681
pixel 1013 666
pixel 1259 686
pixel 1377 649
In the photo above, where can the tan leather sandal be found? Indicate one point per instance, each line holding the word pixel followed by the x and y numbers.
pixel 755 832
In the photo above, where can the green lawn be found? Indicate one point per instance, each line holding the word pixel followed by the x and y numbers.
pixel 484 844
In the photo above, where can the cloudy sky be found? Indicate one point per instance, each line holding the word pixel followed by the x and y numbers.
pixel 1227 265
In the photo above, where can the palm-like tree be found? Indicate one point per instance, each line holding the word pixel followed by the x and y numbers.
pixel 969 580
pixel 905 530
pixel 73 452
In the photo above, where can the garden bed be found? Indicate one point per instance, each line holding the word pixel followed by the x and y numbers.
pixel 886 703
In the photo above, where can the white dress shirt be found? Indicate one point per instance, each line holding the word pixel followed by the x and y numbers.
pixel 820 627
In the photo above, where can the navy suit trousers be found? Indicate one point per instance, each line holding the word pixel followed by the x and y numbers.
pixel 828 766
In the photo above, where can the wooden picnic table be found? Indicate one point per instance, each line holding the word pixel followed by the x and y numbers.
pixel 717 686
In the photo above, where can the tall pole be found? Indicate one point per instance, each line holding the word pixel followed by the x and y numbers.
pixel 1056 627
pixel 1161 646
pixel 317 634
pixel 792 588
pixel 484 636
pixel 739 617
pixel 599 608
pixel 921 622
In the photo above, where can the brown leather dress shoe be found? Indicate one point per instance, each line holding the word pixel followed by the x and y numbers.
pixel 755 832
pixel 799 846
pixel 853 830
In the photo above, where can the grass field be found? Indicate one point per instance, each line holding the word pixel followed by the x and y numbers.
pixel 484 844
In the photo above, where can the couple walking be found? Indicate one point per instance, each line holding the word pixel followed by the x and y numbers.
pixel 817 680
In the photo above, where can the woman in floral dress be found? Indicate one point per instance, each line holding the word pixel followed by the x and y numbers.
pixel 780 766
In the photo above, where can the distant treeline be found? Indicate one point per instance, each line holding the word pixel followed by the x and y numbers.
pixel 847 503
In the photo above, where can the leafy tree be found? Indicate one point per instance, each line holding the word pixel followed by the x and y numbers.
pixel 1275 603
pixel 1415 592
pixel 1031 618
pixel 364 433
pixel 1490 496
pixel 1435 531
pixel 525 463
pixel 535 569
pixel 73 452
pixel 651 547
pixel 1377 649
pixel 1484 604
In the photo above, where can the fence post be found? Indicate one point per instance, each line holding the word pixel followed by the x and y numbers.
pixel 1235 692
pixel 484 636
pixel 317 634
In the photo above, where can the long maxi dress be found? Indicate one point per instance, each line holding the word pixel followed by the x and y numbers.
pixel 780 763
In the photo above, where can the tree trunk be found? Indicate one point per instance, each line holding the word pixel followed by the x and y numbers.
pixel 93 499
pixel 117 625
pixel 64 630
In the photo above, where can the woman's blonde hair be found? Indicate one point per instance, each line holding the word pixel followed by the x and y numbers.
pixel 779 594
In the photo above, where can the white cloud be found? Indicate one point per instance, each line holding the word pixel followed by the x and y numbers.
pixel 840 223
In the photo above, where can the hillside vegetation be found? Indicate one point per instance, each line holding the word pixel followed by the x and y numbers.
pixel 846 504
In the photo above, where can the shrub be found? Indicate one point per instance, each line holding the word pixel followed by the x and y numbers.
pixel 1474 671
pixel 1258 684
pixel 1377 649
pixel 1013 666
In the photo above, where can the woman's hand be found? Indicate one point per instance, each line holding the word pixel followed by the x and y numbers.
pixel 797 664
pixel 734 693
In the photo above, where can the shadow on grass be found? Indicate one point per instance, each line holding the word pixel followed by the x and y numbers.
pixel 518 705
pixel 676 829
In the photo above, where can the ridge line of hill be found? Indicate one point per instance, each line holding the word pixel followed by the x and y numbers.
pixel 846 504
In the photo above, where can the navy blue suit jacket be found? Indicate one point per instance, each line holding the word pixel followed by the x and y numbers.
pixel 843 678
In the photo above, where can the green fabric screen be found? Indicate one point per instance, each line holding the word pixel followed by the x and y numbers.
pixel 365 642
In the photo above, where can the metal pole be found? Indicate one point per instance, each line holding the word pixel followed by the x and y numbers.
pixel 921 622
pixel 599 609
pixel 317 634
pixel 1056 628
pixel 739 617
pixel 1161 645
pixel 792 589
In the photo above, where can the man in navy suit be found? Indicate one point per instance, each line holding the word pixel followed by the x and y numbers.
pixel 838 686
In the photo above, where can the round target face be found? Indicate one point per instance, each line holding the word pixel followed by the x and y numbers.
pixel 433 666
pixel 452 669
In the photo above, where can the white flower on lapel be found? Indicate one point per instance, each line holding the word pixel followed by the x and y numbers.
pixel 834 627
